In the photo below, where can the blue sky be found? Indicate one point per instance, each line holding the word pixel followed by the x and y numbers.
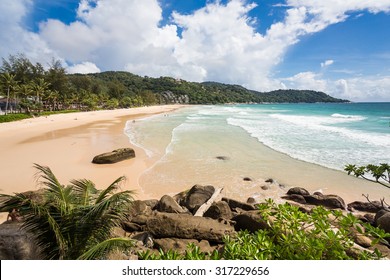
pixel 341 47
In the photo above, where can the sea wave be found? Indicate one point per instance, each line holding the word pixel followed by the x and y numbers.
pixel 350 117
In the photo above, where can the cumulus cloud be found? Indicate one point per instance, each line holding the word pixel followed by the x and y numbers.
pixel 83 68
pixel 218 42
pixel 327 63
pixel 15 38
pixel 371 88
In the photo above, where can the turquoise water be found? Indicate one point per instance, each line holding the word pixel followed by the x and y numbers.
pixel 185 144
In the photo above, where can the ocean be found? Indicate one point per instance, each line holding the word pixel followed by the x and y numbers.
pixel 226 145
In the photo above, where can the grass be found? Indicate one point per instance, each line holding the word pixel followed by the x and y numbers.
pixel 21 116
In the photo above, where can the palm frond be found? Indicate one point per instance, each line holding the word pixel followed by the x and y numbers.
pixel 99 251
pixel 110 189
pixel 85 190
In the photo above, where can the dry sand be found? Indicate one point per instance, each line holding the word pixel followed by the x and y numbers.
pixel 67 143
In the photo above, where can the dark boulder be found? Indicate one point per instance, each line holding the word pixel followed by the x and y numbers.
pixel 382 220
pixel 251 221
pixel 371 207
pixel 328 201
pixel 114 156
pixel 298 191
pixel 219 210
pixel 17 244
pixel 224 158
pixel 170 225
pixel 169 205
pixel 197 196
pixel 233 204
pixel 295 197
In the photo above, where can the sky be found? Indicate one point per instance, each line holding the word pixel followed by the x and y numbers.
pixel 341 47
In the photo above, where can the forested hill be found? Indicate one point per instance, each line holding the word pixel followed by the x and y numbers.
pixel 30 88
pixel 170 90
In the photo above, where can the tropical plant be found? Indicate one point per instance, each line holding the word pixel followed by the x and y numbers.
pixel 375 173
pixel 9 83
pixel 73 221
pixel 292 235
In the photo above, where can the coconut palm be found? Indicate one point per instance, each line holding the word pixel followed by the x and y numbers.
pixel 74 221
pixel 9 82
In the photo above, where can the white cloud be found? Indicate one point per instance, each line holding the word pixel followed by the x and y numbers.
pixel 306 80
pixel 355 89
pixel 218 42
pixel 83 68
pixel 15 38
pixel 327 63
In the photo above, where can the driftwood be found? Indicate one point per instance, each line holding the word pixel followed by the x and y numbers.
pixel 205 206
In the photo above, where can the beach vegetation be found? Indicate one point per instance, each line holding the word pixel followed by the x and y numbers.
pixel 374 173
pixel 32 88
pixel 292 235
pixel 72 221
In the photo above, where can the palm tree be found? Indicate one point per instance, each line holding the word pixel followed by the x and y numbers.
pixel 25 91
pixel 39 87
pixel 9 83
pixel 74 221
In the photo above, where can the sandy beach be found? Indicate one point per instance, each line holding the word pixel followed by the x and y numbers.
pixel 67 143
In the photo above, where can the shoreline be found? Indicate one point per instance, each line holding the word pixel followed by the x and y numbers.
pixel 67 143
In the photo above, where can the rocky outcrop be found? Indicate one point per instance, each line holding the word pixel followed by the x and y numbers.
pixel 382 220
pixel 197 196
pixel 169 205
pixel 114 156
pixel 233 204
pixel 298 191
pixel 17 244
pixel 251 221
pixel 372 207
pixel 169 225
pixel 171 98
pixel 219 210
pixel 328 201
pixel 302 196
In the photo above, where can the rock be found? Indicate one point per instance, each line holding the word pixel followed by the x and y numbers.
pixel 251 200
pixel 264 188
pixel 170 225
pixel 237 204
pixel 295 197
pixel 197 196
pixel 169 205
pixel 131 227
pixel 224 158
pixel 181 245
pixel 270 180
pixel 219 210
pixel 251 221
pixel 372 207
pixel 383 221
pixel 114 156
pixel 247 179
pixel 145 237
pixel 152 203
pixel 298 191
pixel 328 201
pixel 138 207
pixel 17 244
